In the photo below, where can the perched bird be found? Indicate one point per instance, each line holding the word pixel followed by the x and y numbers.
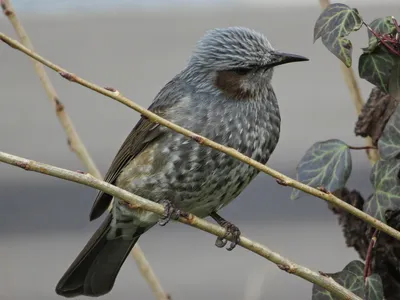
pixel 224 94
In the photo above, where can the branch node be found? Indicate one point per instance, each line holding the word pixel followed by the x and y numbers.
pixel 69 76
pixel 6 10
pixel 324 190
pixel 197 139
pixel 80 172
pixel 188 217
pixel 23 165
pixel 287 268
pixel 70 146
pixel 323 274
pixel 130 205
pixel 114 91
pixel 282 182
pixel 59 105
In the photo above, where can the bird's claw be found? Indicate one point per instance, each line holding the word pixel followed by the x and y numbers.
pixel 170 212
pixel 230 229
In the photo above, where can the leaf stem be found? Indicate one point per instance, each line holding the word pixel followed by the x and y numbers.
pixel 362 147
pixel 368 259
pixel 284 180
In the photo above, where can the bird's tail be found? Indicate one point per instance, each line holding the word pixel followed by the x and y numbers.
pixel 94 271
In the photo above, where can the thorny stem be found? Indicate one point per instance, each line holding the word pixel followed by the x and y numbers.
pixel 141 203
pixel 285 180
pixel 76 144
pixel 368 259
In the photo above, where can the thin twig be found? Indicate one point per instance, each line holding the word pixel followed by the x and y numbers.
pixel 283 179
pixel 74 141
pixel 76 144
pixel 137 202
pixel 148 274
pixel 352 85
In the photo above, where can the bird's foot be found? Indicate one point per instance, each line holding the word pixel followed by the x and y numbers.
pixel 170 212
pixel 230 229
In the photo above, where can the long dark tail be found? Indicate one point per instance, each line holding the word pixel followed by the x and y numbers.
pixel 94 271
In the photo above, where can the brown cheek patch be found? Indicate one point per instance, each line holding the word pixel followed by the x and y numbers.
pixel 229 83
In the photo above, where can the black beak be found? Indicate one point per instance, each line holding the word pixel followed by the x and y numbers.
pixel 280 58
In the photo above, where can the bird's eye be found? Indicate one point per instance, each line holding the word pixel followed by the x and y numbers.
pixel 242 71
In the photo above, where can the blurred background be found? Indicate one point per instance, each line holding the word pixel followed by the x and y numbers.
pixel 136 47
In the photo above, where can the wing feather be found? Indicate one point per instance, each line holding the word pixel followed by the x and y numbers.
pixel 144 133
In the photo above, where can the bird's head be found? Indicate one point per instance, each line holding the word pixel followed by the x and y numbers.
pixel 239 61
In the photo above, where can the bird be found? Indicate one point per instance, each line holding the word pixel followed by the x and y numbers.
pixel 224 93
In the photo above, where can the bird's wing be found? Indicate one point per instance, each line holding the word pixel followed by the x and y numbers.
pixel 142 135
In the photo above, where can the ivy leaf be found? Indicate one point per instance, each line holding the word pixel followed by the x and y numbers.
pixel 356 267
pixel 394 81
pixel 351 277
pixel 374 287
pixel 335 23
pixel 380 26
pixel 389 142
pixel 385 180
pixel 326 164
pixel 372 44
pixel 377 66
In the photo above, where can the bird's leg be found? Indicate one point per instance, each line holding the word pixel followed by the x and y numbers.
pixel 230 229
pixel 170 212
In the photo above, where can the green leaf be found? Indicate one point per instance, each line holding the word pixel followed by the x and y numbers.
pixel 356 267
pixel 374 287
pixel 385 180
pixel 351 277
pixel 394 82
pixel 326 164
pixel 377 66
pixel 372 44
pixel 380 26
pixel 389 142
pixel 335 23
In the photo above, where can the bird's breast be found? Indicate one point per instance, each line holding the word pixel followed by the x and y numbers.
pixel 200 179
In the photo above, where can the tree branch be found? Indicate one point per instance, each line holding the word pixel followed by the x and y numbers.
pixel 352 85
pixel 74 140
pixel 141 203
pixel 76 144
pixel 282 179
